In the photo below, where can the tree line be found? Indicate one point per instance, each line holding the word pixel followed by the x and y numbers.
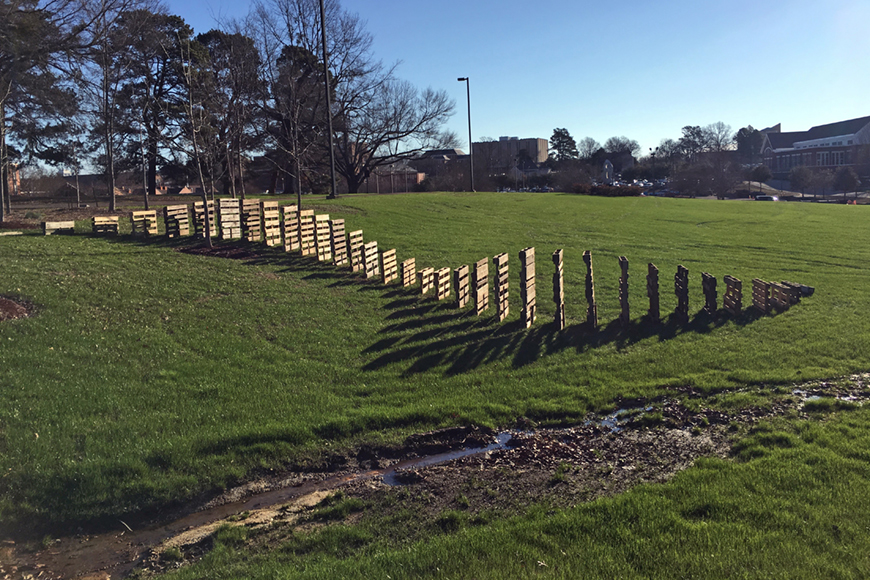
pixel 122 85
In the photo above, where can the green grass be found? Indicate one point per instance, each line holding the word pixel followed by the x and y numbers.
pixel 793 508
pixel 149 376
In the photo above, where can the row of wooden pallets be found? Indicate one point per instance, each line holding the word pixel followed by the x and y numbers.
pixel 317 235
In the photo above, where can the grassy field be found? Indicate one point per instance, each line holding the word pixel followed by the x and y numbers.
pixel 149 376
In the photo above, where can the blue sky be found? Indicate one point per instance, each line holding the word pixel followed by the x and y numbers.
pixel 636 68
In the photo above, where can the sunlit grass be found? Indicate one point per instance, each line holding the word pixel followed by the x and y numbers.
pixel 149 375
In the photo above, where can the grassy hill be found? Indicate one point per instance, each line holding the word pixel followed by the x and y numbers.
pixel 149 375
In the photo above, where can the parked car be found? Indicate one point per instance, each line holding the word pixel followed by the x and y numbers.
pixel 766 198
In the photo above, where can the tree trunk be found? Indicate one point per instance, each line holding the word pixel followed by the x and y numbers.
pixel 4 162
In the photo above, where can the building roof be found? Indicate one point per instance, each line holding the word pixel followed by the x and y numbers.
pixel 779 140
pixel 836 129
pixel 443 153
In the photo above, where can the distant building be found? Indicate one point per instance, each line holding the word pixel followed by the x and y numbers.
pixel 438 161
pixel 499 157
pixel 845 143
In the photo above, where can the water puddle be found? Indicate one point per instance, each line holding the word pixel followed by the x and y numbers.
pixel 617 420
pixel 393 475
pixel 118 553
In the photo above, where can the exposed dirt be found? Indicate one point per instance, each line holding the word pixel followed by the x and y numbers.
pixel 11 309
pixel 644 441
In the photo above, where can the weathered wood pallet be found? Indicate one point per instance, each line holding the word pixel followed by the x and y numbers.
pixel 371 260
pixel 461 284
pixel 64 227
pixel 104 225
pixel 290 227
pixel 389 266
pixel 681 289
pixel 761 295
pixel 409 272
pixel 322 239
pixel 230 214
pixel 624 308
pixel 356 251
pixel 732 301
pixel 144 223
pixel 199 219
pixel 529 308
pixel 307 242
pixel 652 292
pixel 780 296
pixel 502 290
pixel 591 305
pixel 480 284
pixel 559 288
pixel 271 223
pixel 338 241
pixel 711 299
pixel 252 221
pixel 177 220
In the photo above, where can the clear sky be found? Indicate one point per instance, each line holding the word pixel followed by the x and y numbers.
pixel 637 68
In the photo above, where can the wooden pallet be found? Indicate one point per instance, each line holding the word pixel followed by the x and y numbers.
pixel 177 220
pixel 442 283
pixel 529 308
pixel 271 223
pixel 761 295
pixel 502 290
pixel 681 289
pixel 144 223
pixel 199 219
pixel 426 277
pixel 409 272
pixel 356 251
pixel 480 284
pixel 591 305
pixel 624 307
pixel 711 299
pixel 104 225
pixel 732 301
pixel 290 227
pixel 389 267
pixel 65 227
pixel 252 221
pixel 371 260
pixel 322 239
pixel 338 242
pixel 230 213
pixel 780 296
pixel 559 288
pixel 461 283
pixel 307 242
pixel 652 292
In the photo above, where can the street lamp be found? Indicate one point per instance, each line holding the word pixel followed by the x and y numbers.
pixel 470 146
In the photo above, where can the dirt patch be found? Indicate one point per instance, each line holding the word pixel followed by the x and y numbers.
pixel 472 471
pixel 11 309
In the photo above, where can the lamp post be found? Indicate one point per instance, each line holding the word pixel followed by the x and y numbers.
pixel 332 193
pixel 470 146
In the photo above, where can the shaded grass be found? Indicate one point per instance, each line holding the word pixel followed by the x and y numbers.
pixel 150 376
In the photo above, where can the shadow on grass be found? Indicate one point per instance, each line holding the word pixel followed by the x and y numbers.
pixel 425 334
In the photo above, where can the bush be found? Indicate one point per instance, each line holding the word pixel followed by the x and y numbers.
pixel 607 190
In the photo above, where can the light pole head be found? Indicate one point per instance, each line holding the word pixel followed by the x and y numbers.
pixel 460 79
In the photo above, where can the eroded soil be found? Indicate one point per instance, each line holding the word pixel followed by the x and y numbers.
pixel 644 441
pixel 12 308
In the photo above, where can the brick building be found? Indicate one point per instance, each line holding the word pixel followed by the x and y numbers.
pixel 845 143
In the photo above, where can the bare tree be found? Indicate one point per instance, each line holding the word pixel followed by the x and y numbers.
pixel 587 148
pixel 378 120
